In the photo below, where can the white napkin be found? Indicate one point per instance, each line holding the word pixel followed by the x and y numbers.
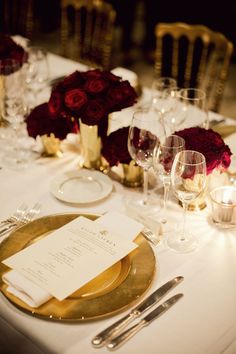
pixel 25 289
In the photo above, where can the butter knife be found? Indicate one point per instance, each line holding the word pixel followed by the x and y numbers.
pixel 117 341
pixel 100 339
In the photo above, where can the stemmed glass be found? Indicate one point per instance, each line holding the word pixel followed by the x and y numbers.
pixel 37 73
pixel 163 160
pixel 193 107
pixel 144 135
pixel 13 112
pixel 161 98
pixel 188 178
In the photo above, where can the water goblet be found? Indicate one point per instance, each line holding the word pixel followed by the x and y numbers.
pixel 163 160
pixel 37 74
pixel 161 101
pixel 188 178
pixel 144 135
pixel 193 107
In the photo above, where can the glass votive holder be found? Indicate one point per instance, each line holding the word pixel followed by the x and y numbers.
pixel 223 202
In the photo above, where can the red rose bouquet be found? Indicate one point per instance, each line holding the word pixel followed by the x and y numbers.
pixel 210 144
pixel 11 50
pixel 115 149
pixel 89 96
pixel 40 122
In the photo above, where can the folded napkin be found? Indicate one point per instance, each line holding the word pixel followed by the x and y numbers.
pixel 25 289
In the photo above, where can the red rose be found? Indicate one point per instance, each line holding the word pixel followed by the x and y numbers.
pixel 75 99
pixel 55 103
pixel 72 81
pixel 111 77
pixel 120 96
pixel 115 148
pixel 11 50
pixel 40 122
pixel 210 144
pixel 96 86
pixel 94 112
pixel 92 74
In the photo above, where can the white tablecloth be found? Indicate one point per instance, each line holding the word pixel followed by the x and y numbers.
pixel 204 321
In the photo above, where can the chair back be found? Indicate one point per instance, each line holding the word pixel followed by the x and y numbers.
pixel 87 31
pixel 17 17
pixel 195 56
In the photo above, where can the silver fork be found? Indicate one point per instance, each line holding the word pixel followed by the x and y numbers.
pixel 29 216
pixel 151 236
pixel 17 215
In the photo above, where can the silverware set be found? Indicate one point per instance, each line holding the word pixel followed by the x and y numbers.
pixel 20 217
pixel 113 336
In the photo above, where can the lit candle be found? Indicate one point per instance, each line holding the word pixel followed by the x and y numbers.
pixel 223 200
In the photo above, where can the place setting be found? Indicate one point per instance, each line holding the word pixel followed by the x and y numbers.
pixel 53 254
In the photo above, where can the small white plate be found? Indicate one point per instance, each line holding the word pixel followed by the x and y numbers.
pixel 81 187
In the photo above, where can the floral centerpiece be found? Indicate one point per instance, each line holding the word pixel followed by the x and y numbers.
pixel 9 49
pixel 115 148
pixel 211 145
pixel 115 151
pixel 84 99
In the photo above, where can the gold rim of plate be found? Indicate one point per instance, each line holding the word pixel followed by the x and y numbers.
pixel 113 291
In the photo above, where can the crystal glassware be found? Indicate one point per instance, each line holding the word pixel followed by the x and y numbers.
pixel 145 132
pixel 161 99
pixel 163 160
pixel 188 178
pixel 37 75
pixel 193 108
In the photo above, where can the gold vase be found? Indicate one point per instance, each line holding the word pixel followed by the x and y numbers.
pixel 132 175
pixel 91 145
pixel 51 146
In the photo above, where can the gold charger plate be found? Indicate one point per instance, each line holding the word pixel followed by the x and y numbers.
pixel 111 292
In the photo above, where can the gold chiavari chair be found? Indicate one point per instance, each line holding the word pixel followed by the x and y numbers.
pixel 195 56
pixel 87 28
pixel 17 17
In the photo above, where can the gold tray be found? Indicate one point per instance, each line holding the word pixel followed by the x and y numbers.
pixel 111 292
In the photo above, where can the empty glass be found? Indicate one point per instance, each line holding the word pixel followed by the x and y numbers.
pixel 163 160
pixel 144 135
pixel 193 107
pixel 37 75
pixel 13 111
pixel 188 179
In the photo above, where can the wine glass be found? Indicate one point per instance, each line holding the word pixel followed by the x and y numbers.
pixel 188 178
pixel 163 159
pixel 14 153
pixel 37 74
pixel 193 108
pixel 175 116
pixel 161 89
pixel 144 135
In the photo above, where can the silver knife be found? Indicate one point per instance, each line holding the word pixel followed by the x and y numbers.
pixel 100 339
pixel 115 342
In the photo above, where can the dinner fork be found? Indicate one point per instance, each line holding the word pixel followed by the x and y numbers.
pixel 17 215
pixel 29 216
pixel 150 236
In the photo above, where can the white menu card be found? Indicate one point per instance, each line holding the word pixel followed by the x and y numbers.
pixel 71 256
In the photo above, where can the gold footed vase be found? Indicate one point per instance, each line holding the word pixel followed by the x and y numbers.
pixel 91 145
pixel 130 175
pixel 51 146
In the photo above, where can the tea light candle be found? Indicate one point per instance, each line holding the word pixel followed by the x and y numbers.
pixel 223 201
